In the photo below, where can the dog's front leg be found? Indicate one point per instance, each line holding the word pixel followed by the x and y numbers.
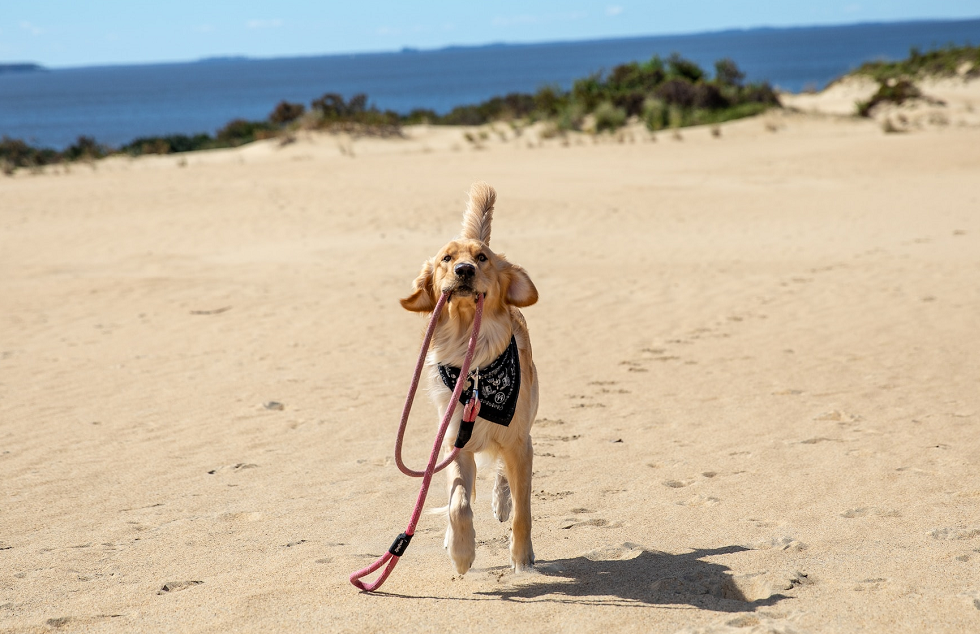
pixel 460 536
pixel 518 462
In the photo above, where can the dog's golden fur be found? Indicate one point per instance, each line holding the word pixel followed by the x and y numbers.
pixel 508 288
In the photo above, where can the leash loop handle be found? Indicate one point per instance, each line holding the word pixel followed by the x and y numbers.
pixel 401 542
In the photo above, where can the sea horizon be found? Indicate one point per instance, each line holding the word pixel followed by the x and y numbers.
pixel 117 103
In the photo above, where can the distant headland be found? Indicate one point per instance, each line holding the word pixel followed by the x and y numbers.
pixel 20 68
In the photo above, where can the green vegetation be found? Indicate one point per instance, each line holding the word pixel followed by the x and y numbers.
pixel 896 79
pixel 662 93
pixel 941 62
pixel 889 91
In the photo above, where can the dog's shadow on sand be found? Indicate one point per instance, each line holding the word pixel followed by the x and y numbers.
pixel 646 578
pixel 633 576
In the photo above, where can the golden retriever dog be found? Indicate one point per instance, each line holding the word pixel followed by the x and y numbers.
pixel 502 369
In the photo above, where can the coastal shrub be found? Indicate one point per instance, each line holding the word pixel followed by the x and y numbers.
pixel 168 144
pixel 709 97
pixel 759 93
pixel 727 73
pixel 631 102
pixel 549 100
pixel 739 111
pixel 240 131
pixel 16 153
pixel 634 77
pixel 944 62
pixel 654 114
pixel 511 106
pixel 355 115
pixel 677 92
pixel 588 91
pixel 332 106
pixel 286 112
pixel 570 117
pixel 85 148
pixel 682 68
pixel 420 115
pixel 608 117
pixel 889 91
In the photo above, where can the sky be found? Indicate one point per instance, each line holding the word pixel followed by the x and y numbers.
pixel 63 33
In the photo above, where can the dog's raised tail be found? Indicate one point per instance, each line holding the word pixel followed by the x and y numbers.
pixel 479 212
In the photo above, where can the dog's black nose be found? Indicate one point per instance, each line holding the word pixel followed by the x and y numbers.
pixel 464 270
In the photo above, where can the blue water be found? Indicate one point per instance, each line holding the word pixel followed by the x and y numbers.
pixel 116 104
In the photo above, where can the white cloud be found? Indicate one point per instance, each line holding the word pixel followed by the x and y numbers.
pixel 30 28
pixel 614 9
pixel 264 24
pixel 512 20
pixel 515 19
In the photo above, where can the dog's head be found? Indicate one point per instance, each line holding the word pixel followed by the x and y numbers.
pixel 466 266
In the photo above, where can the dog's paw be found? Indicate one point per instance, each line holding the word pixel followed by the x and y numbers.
pixel 523 566
pixel 462 547
pixel 522 558
pixel 502 502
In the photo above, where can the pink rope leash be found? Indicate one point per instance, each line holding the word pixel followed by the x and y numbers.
pixel 401 542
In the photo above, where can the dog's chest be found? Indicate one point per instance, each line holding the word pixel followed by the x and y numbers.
pixel 499 385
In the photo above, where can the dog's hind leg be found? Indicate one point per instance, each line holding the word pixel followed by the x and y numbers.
pixel 518 461
pixel 501 495
pixel 460 536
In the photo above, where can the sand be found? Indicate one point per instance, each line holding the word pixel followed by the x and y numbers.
pixel 759 357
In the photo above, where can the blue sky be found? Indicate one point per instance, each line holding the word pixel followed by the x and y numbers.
pixel 72 33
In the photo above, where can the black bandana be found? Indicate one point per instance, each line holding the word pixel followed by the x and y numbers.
pixel 500 383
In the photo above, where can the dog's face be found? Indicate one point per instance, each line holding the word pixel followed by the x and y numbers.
pixel 465 267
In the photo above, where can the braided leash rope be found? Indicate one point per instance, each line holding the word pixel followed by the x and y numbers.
pixel 400 545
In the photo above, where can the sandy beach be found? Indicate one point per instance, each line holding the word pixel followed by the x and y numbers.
pixel 759 357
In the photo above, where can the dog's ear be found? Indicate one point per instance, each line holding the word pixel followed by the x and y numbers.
pixel 422 299
pixel 479 213
pixel 518 289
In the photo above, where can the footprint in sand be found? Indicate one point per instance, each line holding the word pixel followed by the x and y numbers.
pixel 678 484
pixel 559 438
pixel 866 585
pixel 700 501
pixel 572 522
pixel 177 586
pixel 818 439
pixel 777 543
pixel 548 422
pixel 240 466
pixel 866 511
pixel 240 517
pixel 545 495
pixel 954 533
pixel 838 417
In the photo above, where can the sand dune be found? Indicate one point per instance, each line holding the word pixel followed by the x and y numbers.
pixel 759 358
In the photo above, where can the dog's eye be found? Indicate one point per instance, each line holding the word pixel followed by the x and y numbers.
pixel 447 258
pixel 481 258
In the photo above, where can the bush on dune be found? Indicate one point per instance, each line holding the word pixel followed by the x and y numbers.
pixel 889 91
pixel 941 62
pixel 286 112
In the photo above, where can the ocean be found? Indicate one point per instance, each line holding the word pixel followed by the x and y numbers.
pixel 115 104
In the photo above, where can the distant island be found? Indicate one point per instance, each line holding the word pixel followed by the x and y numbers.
pixel 20 68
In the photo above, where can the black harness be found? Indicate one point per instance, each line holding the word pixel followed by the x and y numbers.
pixel 498 385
